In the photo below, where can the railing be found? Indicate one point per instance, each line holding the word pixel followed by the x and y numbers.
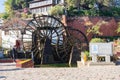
pixel 42 3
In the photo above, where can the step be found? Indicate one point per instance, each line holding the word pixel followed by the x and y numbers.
pixel 101 64
pixel 6 60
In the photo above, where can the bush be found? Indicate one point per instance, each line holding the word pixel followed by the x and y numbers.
pixel 95 40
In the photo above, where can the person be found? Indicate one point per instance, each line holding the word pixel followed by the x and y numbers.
pixel 13 54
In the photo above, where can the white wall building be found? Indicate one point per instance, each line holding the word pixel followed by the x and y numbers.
pixel 43 6
pixel 9 38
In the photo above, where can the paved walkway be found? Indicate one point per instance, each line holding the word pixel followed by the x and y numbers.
pixel 8 71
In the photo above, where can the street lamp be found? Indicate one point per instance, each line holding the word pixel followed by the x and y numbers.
pixel 65 8
pixel 22 33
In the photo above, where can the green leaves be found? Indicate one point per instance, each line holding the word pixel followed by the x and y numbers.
pixel 56 10
pixel 92 8
pixel 118 29
pixel 11 5
pixel 4 15
pixel 70 3
pixel 95 29
pixel 95 40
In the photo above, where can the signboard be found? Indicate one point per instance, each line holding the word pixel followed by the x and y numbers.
pixel 94 48
pixel 1 54
pixel 101 49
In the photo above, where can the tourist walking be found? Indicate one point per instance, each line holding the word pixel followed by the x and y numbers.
pixel 13 53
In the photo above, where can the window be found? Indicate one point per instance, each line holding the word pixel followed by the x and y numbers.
pixel 48 8
pixel 6 32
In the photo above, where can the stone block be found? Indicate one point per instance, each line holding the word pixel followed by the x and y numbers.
pixel 25 63
pixel 107 58
pixel 94 58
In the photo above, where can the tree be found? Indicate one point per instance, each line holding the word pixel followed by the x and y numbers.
pixel 12 5
pixel 14 23
pixel 115 3
pixel 92 7
pixel 88 4
pixel 70 4
pixel 15 26
pixel 56 10
pixel 95 29
pixel 18 4
pixel 118 29
pixel 8 7
pixel 4 15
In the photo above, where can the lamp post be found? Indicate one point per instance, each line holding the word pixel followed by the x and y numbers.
pixel 65 8
pixel 63 3
pixel 22 46
pixel 22 33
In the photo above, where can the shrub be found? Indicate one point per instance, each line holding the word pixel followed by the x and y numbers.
pixel 95 40
pixel 86 53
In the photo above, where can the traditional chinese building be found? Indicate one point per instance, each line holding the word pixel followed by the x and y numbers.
pixel 43 6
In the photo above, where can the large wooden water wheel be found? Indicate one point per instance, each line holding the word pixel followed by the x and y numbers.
pixel 50 40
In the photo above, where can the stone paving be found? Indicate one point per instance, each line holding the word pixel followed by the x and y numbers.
pixel 8 71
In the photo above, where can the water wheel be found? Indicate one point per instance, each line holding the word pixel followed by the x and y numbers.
pixel 49 39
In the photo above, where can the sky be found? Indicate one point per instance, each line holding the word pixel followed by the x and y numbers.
pixel 2 6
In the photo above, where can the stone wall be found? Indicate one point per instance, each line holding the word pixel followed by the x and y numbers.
pixel 83 23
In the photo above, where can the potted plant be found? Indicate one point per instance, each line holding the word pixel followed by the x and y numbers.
pixel 86 56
